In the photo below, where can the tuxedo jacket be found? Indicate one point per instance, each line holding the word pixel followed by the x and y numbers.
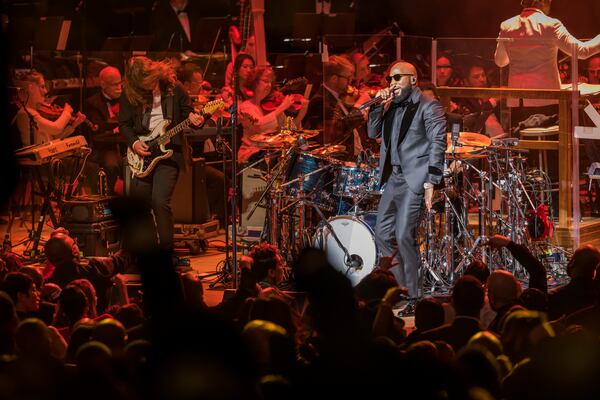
pixel 168 32
pixel 529 42
pixel 422 143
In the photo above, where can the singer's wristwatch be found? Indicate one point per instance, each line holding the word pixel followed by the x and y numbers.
pixel 428 185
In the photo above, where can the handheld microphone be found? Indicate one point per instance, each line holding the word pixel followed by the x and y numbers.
pixel 375 100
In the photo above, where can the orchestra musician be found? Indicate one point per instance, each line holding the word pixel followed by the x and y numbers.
pixel 103 110
pixel 190 76
pixel 327 109
pixel 36 124
pixel 255 120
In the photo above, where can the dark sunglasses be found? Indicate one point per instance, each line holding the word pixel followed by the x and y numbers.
pixel 396 77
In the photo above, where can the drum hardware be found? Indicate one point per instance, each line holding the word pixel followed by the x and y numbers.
pixel 353 262
pixel 304 184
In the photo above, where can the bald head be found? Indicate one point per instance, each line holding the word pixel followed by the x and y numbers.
pixel 110 82
pixel 406 72
pixel 584 262
pixel 503 289
pixel 404 68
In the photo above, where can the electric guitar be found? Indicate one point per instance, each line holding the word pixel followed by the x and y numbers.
pixel 158 139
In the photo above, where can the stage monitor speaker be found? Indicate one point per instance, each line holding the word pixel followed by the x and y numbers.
pixel 190 200
pixel 252 188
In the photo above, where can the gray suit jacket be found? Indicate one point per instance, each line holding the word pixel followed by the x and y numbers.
pixel 422 150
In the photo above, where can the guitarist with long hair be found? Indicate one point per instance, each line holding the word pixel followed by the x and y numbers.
pixel 152 96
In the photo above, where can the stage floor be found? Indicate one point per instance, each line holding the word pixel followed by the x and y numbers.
pixel 207 264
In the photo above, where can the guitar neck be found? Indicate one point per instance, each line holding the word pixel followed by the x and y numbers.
pixel 164 139
pixel 208 109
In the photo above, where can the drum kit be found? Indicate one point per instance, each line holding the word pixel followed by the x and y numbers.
pixel 315 199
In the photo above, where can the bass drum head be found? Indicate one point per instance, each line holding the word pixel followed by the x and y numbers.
pixel 357 237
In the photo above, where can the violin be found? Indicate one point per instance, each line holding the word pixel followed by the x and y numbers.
pixel 53 112
pixel 274 100
pixel 291 87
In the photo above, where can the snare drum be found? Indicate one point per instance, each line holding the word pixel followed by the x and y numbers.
pixel 319 184
pixel 356 235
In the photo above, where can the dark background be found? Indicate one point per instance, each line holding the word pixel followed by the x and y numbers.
pixel 435 18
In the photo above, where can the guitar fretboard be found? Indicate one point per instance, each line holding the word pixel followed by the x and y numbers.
pixel 209 108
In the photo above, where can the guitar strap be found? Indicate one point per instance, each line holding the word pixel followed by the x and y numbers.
pixel 169 115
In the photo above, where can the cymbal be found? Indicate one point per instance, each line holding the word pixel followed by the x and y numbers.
pixel 470 144
pixel 307 133
pixel 283 137
pixel 329 150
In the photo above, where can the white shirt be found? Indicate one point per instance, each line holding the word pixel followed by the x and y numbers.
pixel 529 42
pixel 184 20
pixel 156 115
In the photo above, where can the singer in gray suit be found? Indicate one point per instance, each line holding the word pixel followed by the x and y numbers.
pixel 413 131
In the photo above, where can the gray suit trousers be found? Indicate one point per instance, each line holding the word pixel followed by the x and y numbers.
pixel 397 218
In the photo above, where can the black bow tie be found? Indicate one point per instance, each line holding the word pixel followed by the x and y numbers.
pixel 400 104
pixel 112 102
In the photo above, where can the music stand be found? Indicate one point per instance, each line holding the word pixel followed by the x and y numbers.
pixel 207 28
pixel 316 26
pixel 127 43
pixel 52 33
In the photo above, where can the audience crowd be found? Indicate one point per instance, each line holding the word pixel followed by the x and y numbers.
pixel 72 330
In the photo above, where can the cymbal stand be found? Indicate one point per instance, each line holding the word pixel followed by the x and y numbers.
pixel 431 257
pixel 482 200
pixel 278 170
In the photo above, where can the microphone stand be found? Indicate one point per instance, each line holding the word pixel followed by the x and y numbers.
pixel 222 147
pixel 234 194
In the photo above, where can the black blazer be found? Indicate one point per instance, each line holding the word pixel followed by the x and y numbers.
pixel 134 120
pixel 96 110
pixel 168 32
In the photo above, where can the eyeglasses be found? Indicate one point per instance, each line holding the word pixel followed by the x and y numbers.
pixel 396 77
pixel 344 76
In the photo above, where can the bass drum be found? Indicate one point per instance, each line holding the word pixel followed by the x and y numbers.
pixel 356 235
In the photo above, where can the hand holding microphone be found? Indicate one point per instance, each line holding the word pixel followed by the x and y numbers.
pixel 388 93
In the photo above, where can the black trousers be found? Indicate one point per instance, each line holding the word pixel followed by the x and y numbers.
pixel 157 189
pixel 397 218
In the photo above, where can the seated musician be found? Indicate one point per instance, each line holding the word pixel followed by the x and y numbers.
pixel 363 76
pixel 190 76
pixel 479 114
pixel 255 120
pixel 103 110
pixel 327 109
pixel 35 124
pixel 242 68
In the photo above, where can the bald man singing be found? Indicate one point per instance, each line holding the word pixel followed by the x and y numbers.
pixel 413 131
